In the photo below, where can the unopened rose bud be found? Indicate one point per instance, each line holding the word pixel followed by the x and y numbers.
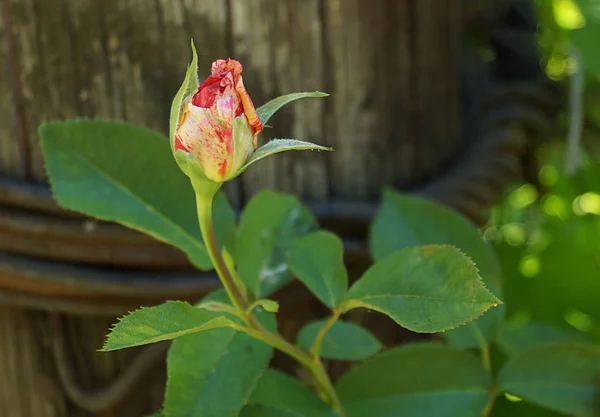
pixel 214 126
pixel 218 124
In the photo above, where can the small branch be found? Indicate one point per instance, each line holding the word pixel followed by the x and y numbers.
pixel 116 391
pixel 240 303
pixel 315 350
pixel 321 377
pixel 314 367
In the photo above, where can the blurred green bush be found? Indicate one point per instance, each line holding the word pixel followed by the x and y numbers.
pixel 547 233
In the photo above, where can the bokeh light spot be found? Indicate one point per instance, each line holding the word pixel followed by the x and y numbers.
pixel 513 233
pixel 587 203
pixel 555 205
pixel 567 14
pixel 523 196
pixel 579 320
pixel 530 266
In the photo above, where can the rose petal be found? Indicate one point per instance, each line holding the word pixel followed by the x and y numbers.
pixel 209 140
pixel 249 109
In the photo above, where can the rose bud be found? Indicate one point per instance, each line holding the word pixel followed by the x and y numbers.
pixel 218 124
pixel 214 126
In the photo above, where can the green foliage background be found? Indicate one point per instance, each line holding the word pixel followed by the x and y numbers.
pixel 547 235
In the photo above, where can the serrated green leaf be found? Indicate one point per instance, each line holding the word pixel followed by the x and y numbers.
pixel 278 395
pixel 190 84
pixel 517 338
pixel 344 340
pixel 404 221
pixel 268 225
pixel 425 289
pixel 125 173
pixel 270 108
pixel 162 322
pixel 317 260
pixel 562 377
pixel 282 145
pixel 211 374
pixel 416 380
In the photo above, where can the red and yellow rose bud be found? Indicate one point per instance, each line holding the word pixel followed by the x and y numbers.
pixel 214 126
pixel 218 124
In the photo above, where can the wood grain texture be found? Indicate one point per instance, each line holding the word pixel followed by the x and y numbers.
pixel 389 108
pixel 280 44
pixel 25 372
pixel 28 367
pixel 391 71
pixel 14 152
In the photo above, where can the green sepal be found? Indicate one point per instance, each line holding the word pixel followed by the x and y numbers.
pixel 281 145
pixel 271 107
pixel 190 83
pixel 189 165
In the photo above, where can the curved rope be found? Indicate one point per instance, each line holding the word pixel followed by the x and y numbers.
pixel 95 400
pixel 509 104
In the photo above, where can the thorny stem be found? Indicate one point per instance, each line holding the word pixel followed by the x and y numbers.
pixel 255 328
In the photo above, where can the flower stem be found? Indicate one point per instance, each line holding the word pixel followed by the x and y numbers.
pixel 322 379
pixel 316 369
pixel 204 207
pixel 240 304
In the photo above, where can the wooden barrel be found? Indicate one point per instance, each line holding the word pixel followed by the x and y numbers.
pixel 392 68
